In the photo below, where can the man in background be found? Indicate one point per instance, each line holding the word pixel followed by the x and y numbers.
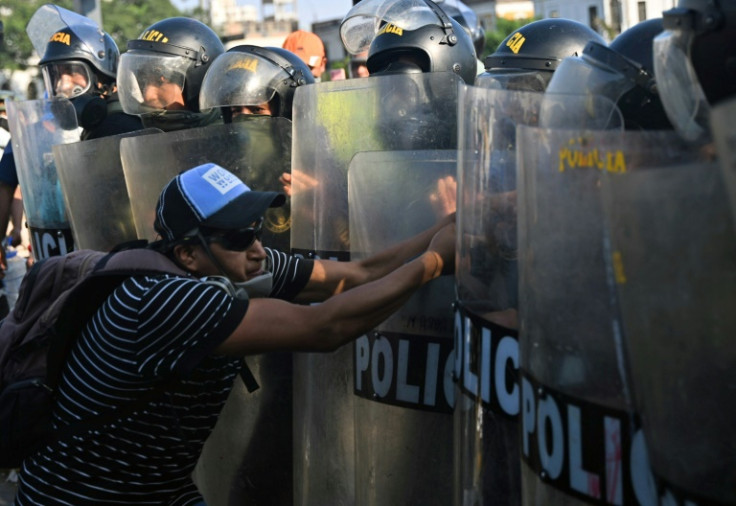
pixel 310 48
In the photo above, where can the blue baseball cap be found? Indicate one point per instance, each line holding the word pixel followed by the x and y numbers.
pixel 211 196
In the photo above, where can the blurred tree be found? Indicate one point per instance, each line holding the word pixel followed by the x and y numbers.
pixel 125 20
pixel 17 48
pixel 122 19
pixel 504 28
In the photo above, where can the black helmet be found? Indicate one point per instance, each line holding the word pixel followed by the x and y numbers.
pixel 71 43
pixel 697 57
pixel 252 75
pixel 526 59
pixel 402 36
pixel 178 50
pixel 467 18
pixel 622 73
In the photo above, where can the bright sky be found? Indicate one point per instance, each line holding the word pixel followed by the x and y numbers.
pixel 310 11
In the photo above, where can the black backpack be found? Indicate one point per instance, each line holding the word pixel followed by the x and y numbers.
pixel 56 299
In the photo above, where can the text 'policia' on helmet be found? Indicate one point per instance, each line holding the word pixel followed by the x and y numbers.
pixel 695 62
pixel 408 36
pixel 250 76
pixel 621 72
pixel 75 53
pixel 174 52
pixel 526 59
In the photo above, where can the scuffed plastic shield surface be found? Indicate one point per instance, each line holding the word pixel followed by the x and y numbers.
pixel 36 126
pixel 93 184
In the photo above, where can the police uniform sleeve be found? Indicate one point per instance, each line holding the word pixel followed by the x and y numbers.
pixel 181 322
pixel 290 273
pixel 8 172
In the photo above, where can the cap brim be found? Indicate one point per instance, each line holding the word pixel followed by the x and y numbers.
pixel 244 210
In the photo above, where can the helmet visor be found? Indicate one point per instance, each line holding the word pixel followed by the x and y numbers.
pixel 66 79
pixel 514 80
pixel 239 79
pixel 679 89
pixel 151 83
pixel 583 77
pixel 50 19
pixel 368 17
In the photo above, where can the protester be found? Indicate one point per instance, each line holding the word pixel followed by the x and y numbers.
pixel 196 329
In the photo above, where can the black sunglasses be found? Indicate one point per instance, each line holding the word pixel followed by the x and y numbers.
pixel 236 240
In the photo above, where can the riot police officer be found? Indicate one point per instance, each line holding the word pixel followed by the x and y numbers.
pixel 429 40
pixel 623 72
pixel 695 60
pixel 526 59
pixel 254 80
pixel 161 74
pixel 79 62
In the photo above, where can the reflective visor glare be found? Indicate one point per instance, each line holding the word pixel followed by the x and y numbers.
pixel 679 89
pixel 521 81
pixel 148 83
pixel 239 79
pixel 66 80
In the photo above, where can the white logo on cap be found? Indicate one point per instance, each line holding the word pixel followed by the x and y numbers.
pixel 221 180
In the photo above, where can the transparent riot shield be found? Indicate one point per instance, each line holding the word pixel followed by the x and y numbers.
pixel 403 369
pixel 487 462
pixel 93 184
pixel 234 467
pixel 332 122
pixel 36 126
pixel 724 134
pixel 674 256
pixel 257 150
pixel 580 439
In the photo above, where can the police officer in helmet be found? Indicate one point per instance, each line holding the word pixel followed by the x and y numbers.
pixel 526 59
pixel 79 62
pixel 253 80
pixel 623 72
pixel 410 39
pixel 161 74
pixel 695 63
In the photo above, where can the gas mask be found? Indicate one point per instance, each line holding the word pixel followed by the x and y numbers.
pixel 91 110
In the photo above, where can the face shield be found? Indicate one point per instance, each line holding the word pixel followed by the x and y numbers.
pixel 239 79
pixel 514 80
pixel 584 76
pixel 85 36
pixel 66 79
pixel 366 19
pixel 679 89
pixel 151 82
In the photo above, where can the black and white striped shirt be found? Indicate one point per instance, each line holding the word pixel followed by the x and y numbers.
pixel 152 328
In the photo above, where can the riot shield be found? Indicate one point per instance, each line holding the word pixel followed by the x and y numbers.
pixel 332 122
pixel 234 467
pixel 580 439
pixel 257 150
pixel 403 368
pixel 674 255
pixel 93 184
pixel 487 462
pixel 724 135
pixel 36 126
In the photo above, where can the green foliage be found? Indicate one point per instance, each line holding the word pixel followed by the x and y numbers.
pixel 122 19
pixel 17 47
pixel 125 20
pixel 504 28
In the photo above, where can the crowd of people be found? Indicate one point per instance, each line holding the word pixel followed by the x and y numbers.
pixel 240 297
